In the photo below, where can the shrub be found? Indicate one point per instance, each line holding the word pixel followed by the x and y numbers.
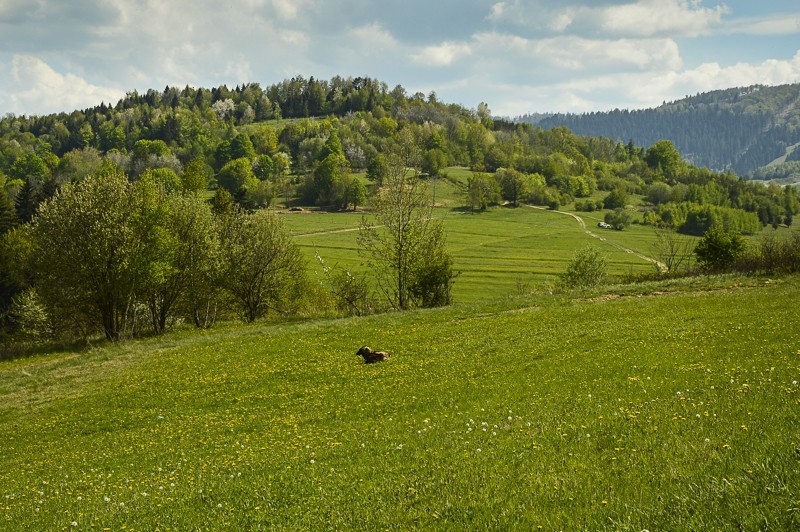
pixel 718 250
pixel 587 268
pixel 619 218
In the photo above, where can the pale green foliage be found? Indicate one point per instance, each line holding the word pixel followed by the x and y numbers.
pixel 236 175
pixel 350 291
pixel 482 191
pixel 195 177
pixel 29 319
pixel 262 267
pixel 587 268
pixel 85 250
pixel 404 244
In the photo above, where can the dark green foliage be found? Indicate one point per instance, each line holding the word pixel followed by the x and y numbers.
pixel 242 147
pixel 223 203
pixel 377 169
pixel 617 198
pixel 619 218
pixel 718 250
pixel 740 128
pixel 8 213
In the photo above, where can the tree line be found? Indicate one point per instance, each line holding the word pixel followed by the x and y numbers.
pixel 193 159
pixel 738 129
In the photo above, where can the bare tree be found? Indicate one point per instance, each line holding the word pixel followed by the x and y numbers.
pixel 673 251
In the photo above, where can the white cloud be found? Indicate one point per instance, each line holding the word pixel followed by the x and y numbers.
pixel 640 18
pixel 658 17
pixel 32 84
pixel 788 24
pixel 638 90
pixel 576 53
pixel 443 54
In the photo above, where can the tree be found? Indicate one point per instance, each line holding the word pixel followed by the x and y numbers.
pixel 515 185
pixel 195 178
pixel 665 156
pixel 672 251
pixel 718 250
pixel 616 198
pixel 403 243
pixel 482 191
pixel 183 261
pixel 236 175
pixel 30 167
pixel 222 203
pixel 327 178
pixel 85 251
pixel 619 218
pixel 433 162
pixel 263 167
pixel 587 268
pixel 377 169
pixel 263 268
pixel 658 193
pixel 77 164
pixel 356 193
pixel 242 147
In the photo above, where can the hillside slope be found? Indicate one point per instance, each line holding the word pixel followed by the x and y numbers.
pixel 672 407
pixel 741 129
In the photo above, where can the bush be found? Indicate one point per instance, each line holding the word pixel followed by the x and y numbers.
pixel 619 218
pixel 28 318
pixel 718 250
pixel 587 268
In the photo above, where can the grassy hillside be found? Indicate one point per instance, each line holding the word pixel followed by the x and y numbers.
pixel 494 250
pixel 672 407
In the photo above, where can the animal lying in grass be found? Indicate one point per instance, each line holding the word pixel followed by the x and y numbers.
pixel 371 356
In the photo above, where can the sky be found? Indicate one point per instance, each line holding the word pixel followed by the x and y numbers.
pixel 518 56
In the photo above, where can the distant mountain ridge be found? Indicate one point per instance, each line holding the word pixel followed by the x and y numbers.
pixel 740 129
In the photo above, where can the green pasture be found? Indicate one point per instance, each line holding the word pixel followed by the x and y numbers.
pixel 493 251
pixel 671 406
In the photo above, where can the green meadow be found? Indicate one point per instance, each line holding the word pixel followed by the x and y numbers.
pixel 495 252
pixel 670 405
pixel 664 406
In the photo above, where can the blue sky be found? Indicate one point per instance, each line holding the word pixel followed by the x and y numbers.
pixel 519 56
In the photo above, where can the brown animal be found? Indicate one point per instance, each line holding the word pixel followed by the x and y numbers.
pixel 371 356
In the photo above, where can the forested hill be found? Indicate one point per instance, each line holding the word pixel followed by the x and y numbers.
pixel 739 129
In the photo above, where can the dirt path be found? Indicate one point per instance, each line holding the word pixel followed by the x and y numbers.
pixel 660 265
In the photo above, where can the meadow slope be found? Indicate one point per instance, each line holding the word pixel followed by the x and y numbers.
pixel 671 406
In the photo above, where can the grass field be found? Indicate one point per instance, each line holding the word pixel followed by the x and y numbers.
pixel 494 251
pixel 670 406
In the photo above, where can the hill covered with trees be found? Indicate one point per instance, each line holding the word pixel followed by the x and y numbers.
pixel 738 129
pixel 162 191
